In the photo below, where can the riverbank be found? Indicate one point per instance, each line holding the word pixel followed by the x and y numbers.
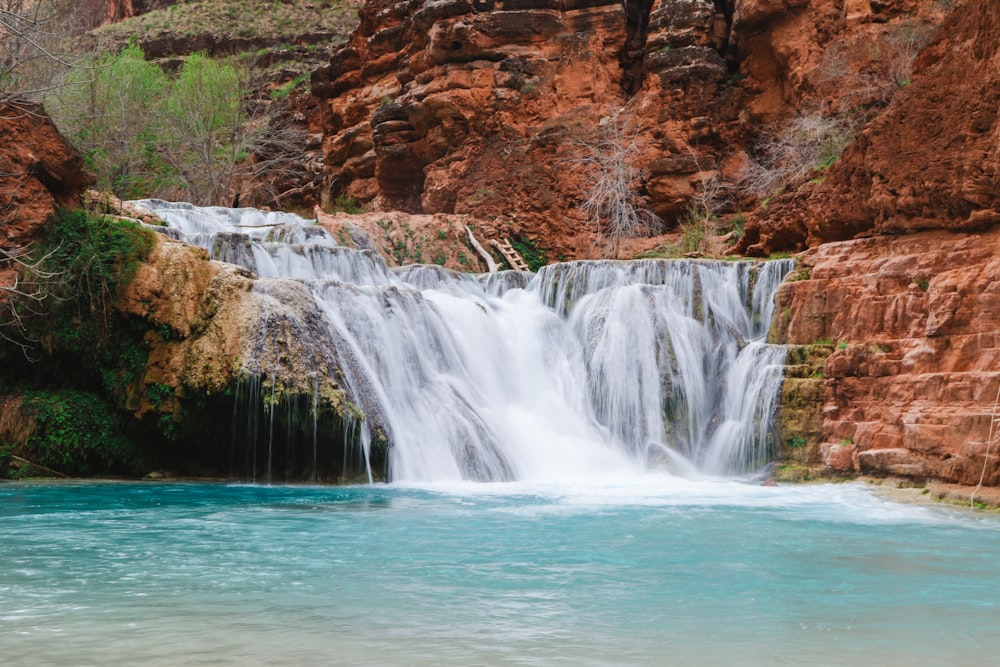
pixel 903 490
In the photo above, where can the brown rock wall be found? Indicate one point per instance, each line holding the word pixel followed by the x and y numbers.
pixel 432 102
pixel 483 107
pixel 911 384
pixel 930 161
pixel 39 170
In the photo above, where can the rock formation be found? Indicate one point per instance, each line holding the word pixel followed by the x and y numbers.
pixel 491 108
pixel 40 171
pixel 911 325
pixel 930 161
pixel 486 107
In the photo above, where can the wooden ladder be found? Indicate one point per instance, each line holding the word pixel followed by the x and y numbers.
pixel 513 258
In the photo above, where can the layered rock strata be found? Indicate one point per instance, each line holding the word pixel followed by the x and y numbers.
pixel 488 107
pixel 494 108
pixel 912 329
pixel 930 161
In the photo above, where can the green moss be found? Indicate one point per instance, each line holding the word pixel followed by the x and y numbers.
pixel 76 433
pixel 791 472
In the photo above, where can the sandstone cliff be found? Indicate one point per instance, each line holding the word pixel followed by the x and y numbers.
pixel 911 325
pixel 490 107
pixel 930 161
pixel 40 171
pixel 910 386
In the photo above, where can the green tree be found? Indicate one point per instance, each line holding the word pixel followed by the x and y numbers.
pixel 113 113
pixel 201 136
pixel 208 127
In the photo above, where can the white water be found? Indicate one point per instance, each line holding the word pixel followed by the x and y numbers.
pixel 587 370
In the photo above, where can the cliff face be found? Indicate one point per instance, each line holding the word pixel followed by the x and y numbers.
pixel 911 386
pixel 493 108
pixel 930 161
pixel 912 328
pixel 486 107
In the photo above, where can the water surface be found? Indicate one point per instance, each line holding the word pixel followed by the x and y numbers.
pixel 650 570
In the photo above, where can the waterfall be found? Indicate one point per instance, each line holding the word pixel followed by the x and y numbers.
pixel 586 369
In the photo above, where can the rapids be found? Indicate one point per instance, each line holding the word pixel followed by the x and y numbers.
pixel 586 369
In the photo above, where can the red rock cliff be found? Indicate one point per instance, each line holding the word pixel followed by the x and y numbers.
pixel 40 171
pixel 913 323
pixel 482 106
pixel 911 314
pixel 930 161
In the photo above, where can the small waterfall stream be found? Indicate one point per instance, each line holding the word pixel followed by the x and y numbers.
pixel 586 369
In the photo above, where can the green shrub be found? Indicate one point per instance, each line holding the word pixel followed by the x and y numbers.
pixel 533 256
pixel 82 263
pixel 96 256
pixel 76 433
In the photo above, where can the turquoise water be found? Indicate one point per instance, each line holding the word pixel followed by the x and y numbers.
pixel 649 571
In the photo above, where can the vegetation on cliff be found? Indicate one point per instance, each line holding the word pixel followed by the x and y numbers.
pixel 189 137
pixel 70 357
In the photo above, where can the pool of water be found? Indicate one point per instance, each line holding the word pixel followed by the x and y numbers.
pixel 643 571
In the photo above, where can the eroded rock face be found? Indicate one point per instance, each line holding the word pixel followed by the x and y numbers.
pixel 930 161
pixel 487 107
pixel 40 170
pixel 914 327
pixel 222 325
pixel 484 107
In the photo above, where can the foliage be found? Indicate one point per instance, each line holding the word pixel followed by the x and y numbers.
pixel 194 137
pixel 85 261
pixel 286 90
pixel 114 114
pixel 798 442
pixel 872 82
pixel 694 230
pixel 76 433
pixel 207 122
pixel 98 255
pixel 347 204
pixel 795 149
pixel 533 256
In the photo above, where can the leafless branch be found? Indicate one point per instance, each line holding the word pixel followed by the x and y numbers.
pixel 612 203
pixel 36 39
pixel 33 285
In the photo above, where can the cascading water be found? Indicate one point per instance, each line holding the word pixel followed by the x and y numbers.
pixel 587 369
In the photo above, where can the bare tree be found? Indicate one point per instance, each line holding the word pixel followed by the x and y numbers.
pixel 796 148
pixel 36 45
pixel 612 203
pixel 277 142
pixel 219 136
pixel 31 288
pixel 864 86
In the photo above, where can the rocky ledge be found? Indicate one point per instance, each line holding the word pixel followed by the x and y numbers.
pixel 903 338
